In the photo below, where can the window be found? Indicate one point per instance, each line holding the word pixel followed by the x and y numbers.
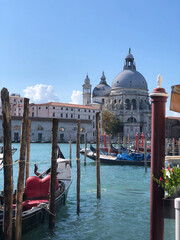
pixel 128 105
pixel 84 110
pixel 134 104
pixel 16 128
pixel 39 107
pixel 71 115
pixel 78 110
pixel 21 101
pixel 62 108
pixel 33 108
pixel 61 129
pixel 46 107
pixel 89 117
pixel 66 115
pixel 61 115
pixel 53 107
pixel 71 109
pixel 131 120
pixel 89 110
pixel 53 114
pixel 66 109
pixel 78 116
pixel 32 114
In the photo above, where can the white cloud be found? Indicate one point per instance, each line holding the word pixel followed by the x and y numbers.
pixel 41 94
pixel 76 97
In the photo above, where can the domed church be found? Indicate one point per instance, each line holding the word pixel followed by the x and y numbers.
pixel 128 99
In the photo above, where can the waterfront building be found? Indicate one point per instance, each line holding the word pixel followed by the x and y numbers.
pixel 173 127
pixel 41 119
pixel 127 99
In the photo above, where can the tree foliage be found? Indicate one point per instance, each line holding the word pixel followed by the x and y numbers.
pixel 110 124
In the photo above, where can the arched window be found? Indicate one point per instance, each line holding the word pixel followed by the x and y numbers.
pixel 145 104
pixel 131 120
pixel 16 127
pixel 141 105
pixel 134 104
pixel 114 101
pixel 128 105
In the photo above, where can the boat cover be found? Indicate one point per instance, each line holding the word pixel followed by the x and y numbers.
pixel 132 157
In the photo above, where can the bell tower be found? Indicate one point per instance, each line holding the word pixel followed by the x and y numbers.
pixel 86 91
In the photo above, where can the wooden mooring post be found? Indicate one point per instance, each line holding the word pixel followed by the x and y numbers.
pixel 8 168
pixel 128 142
pixel 98 156
pixel 85 153
pixel 20 183
pixel 119 143
pixel 158 99
pixel 145 153
pixel 28 148
pixel 70 150
pixel 78 167
pixel 109 145
pixel 52 205
pixel 124 141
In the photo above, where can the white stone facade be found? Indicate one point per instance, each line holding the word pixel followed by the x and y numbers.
pixel 41 120
pixel 128 99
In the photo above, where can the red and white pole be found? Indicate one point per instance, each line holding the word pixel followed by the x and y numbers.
pixel 142 140
pixel 158 99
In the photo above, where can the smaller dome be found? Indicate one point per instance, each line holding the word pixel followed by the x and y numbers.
pixel 102 89
pixel 129 56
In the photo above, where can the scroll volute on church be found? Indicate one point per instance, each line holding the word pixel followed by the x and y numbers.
pixel 175 98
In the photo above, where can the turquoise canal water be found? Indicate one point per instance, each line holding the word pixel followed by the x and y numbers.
pixel 123 212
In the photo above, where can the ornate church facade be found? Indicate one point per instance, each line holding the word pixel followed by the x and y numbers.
pixel 127 98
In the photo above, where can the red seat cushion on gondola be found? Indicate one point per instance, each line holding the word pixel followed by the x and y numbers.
pixel 37 188
pixel 32 203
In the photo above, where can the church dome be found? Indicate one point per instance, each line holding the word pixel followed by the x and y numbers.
pixel 129 77
pixel 102 89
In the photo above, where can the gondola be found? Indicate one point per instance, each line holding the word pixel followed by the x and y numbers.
pixel 36 200
pixel 114 160
pixel 103 151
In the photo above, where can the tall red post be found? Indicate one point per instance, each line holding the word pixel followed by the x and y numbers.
pixel 137 140
pixel 158 99
pixel 105 140
pixel 142 140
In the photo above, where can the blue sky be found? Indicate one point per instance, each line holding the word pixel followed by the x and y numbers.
pixel 56 43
